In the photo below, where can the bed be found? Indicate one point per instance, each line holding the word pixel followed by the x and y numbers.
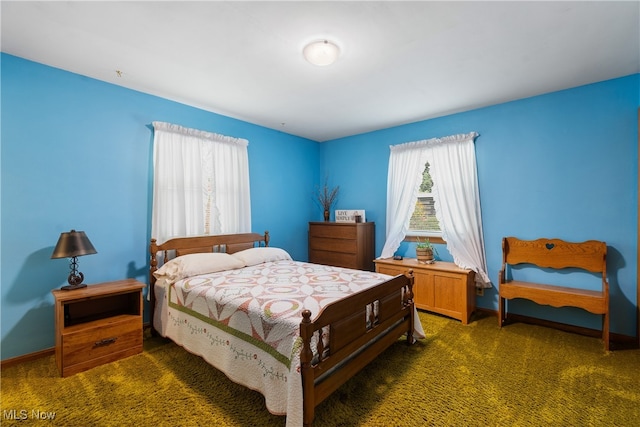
pixel 294 331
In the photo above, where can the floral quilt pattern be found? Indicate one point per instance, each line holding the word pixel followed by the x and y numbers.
pixel 262 304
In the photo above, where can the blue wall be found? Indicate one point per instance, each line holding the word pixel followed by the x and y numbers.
pixel 76 153
pixel 561 165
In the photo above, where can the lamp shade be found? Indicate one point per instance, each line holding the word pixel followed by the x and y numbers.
pixel 72 244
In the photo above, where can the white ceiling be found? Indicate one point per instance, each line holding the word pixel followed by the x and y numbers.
pixel 401 61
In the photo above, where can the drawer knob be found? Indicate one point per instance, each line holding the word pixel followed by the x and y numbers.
pixel 105 341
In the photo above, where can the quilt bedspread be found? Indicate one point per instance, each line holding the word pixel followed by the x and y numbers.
pixel 246 321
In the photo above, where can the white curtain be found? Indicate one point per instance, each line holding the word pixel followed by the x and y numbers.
pixel 406 164
pixel 452 163
pixel 457 202
pixel 201 183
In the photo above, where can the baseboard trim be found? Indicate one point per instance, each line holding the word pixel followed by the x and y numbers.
pixel 42 353
pixel 27 357
pixel 618 341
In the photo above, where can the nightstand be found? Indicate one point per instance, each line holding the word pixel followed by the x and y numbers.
pixel 97 324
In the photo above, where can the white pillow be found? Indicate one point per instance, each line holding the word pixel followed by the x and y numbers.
pixel 253 256
pixel 195 264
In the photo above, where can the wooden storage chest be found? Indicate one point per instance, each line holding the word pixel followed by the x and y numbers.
pixel 440 287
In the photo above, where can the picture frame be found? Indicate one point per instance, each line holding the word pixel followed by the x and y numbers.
pixel 350 215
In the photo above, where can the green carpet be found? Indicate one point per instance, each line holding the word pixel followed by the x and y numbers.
pixel 475 375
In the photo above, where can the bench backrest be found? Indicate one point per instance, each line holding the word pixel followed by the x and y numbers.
pixel 555 253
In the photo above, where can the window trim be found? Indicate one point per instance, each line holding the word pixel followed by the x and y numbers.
pixel 434 237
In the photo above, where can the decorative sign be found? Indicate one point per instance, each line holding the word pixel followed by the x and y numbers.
pixel 350 215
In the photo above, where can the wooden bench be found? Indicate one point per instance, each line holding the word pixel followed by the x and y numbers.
pixel 557 254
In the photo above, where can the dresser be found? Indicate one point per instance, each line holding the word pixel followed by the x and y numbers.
pixel 343 244
pixel 440 287
pixel 97 324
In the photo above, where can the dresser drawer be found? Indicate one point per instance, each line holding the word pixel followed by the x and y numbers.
pixel 122 334
pixel 333 258
pixel 333 231
pixel 334 245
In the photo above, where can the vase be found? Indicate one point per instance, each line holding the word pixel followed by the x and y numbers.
pixel 424 255
pixel 326 215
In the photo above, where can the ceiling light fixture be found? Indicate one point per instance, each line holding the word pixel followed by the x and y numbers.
pixel 321 52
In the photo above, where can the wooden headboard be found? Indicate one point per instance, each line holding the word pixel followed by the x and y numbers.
pixel 228 243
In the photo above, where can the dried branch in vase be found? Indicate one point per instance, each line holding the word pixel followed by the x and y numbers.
pixel 327 196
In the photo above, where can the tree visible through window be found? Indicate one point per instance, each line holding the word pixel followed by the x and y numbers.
pixel 423 220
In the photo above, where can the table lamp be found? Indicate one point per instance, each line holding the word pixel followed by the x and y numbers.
pixel 73 244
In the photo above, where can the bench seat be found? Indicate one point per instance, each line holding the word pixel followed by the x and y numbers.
pixel 556 296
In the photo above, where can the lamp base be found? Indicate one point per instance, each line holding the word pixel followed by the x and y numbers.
pixel 73 287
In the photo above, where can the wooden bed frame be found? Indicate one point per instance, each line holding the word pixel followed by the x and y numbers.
pixel 354 339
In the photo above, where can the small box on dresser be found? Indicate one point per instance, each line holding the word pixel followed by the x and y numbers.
pixel 97 324
pixel 440 287
pixel 343 244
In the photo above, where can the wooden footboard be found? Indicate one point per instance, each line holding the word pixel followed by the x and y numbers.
pixel 359 329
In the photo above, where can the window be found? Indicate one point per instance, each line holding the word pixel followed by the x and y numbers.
pixel 457 193
pixel 423 220
pixel 201 183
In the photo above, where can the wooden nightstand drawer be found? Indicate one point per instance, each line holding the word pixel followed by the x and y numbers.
pixel 93 343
